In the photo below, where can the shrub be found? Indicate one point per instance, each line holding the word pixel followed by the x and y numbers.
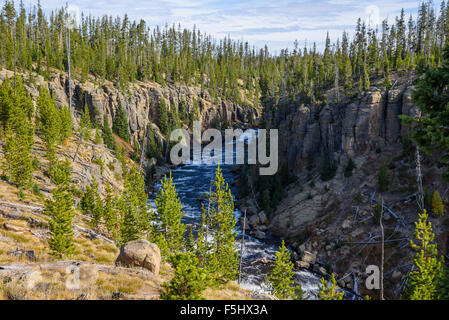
pixel 437 204
pixel 349 167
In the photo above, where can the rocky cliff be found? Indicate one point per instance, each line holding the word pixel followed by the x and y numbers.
pixel 140 100
pixel 331 225
pixel 340 130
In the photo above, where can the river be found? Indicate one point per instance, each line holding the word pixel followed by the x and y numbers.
pixel 192 182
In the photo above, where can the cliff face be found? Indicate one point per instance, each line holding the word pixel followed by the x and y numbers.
pixel 309 134
pixel 333 221
pixel 140 100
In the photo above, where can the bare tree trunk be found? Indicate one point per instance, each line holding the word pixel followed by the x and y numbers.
pixel 68 64
pixel 14 55
pixel 382 254
pixel 242 246
pixel 420 196
pixel 337 89
pixel 80 140
pixel 143 148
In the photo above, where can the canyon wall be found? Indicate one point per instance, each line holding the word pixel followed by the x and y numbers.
pixel 308 134
pixel 140 100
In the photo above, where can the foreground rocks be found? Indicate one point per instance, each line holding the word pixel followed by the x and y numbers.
pixel 140 253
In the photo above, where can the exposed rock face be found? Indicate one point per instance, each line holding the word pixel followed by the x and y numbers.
pixel 337 131
pixel 140 253
pixel 309 133
pixel 140 100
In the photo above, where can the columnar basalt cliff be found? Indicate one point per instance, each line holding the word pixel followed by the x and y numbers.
pixel 140 100
pixel 341 130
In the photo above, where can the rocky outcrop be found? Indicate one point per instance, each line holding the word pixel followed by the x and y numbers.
pixel 308 134
pixel 140 100
pixel 140 253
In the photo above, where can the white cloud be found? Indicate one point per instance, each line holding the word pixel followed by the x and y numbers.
pixel 277 23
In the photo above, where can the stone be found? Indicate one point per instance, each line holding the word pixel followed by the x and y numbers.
pixel 397 275
pixel 308 257
pixel 262 217
pixel 322 271
pixel 346 224
pixel 262 227
pixel 140 253
pixel 341 283
pixel 259 234
pixel 88 275
pixel 254 220
pixel 357 232
pixel 27 280
pixel 302 264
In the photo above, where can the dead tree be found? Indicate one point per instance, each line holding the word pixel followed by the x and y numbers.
pixel 382 253
pixel 242 246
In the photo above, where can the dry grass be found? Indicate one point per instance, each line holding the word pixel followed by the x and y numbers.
pixel 229 291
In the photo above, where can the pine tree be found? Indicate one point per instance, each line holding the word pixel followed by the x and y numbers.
pixel 163 116
pixel 329 291
pixel 431 129
pixel 437 204
pixel 19 135
pixel 60 210
pixel 110 214
pixel 443 284
pixel 349 168
pixel 91 203
pixel 49 121
pixel 423 280
pixel 133 205
pixel 60 172
pixel 85 125
pixel 169 230
pixel 281 277
pixel 66 123
pixel 120 124
pixel 108 137
pixel 97 139
pixel 223 258
pixel 189 280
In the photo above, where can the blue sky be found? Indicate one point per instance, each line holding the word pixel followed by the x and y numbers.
pixel 276 23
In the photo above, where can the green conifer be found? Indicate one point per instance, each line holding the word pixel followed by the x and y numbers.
pixel 437 204
pixel 423 280
pixel 329 291
pixel 169 230
pixel 189 280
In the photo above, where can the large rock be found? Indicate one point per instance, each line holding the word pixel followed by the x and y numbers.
pixel 262 217
pixel 140 253
pixel 254 220
pixel 308 257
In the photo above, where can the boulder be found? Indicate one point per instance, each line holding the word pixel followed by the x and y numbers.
pixel 262 227
pixel 397 275
pixel 262 217
pixel 254 220
pixel 140 253
pixel 308 257
pixel 346 224
pixel 302 264
pixel 25 280
pixel 88 275
pixel 259 234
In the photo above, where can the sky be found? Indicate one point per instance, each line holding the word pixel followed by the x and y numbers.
pixel 276 23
